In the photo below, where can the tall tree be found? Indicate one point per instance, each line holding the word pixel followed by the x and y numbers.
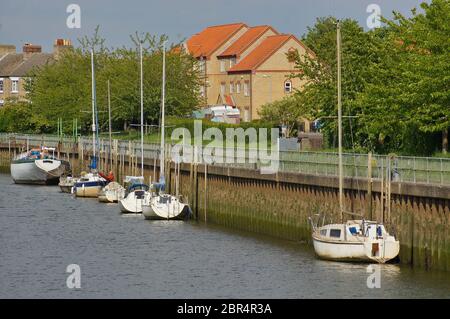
pixel 63 89
pixel 319 95
pixel 426 37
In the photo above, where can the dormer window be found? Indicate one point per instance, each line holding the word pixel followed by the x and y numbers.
pixel 222 65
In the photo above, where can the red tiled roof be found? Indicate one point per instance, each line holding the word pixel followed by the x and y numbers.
pixel 261 53
pixel 246 40
pixel 211 38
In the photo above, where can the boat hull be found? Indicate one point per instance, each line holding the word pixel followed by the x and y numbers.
pixel 66 188
pixel 37 171
pixel 88 189
pixel 356 251
pixel 112 193
pixel 173 211
pixel 132 203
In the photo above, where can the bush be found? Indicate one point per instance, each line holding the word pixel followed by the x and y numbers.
pixel 18 117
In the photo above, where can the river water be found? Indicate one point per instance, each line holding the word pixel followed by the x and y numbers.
pixel 42 231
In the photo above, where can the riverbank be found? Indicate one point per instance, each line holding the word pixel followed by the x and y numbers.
pixel 279 205
pixel 129 257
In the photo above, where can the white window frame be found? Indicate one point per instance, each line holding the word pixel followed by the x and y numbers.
pixel 246 88
pixel 231 87
pixel 201 66
pixel 2 87
pixel 14 80
pixel 222 65
pixel 232 62
pixel 238 87
pixel 288 86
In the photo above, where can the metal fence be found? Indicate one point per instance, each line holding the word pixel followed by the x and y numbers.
pixel 429 170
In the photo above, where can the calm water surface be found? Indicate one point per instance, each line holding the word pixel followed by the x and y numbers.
pixel 42 231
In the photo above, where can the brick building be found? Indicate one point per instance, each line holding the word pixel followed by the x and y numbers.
pixel 15 67
pixel 244 66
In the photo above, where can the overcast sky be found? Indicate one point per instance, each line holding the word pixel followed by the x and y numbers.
pixel 42 21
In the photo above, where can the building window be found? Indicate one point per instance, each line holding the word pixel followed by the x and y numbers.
pixel 231 87
pixel 1 85
pixel 202 91
pixel 287 87
pixel 222 65
pixel 202 66
pixel 232 62
pixel 238 87
pixel 246 89
pixel 14 85
pixel 222 88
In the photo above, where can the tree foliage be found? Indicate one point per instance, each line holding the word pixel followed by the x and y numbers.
pixel 395 81
pixel 63 88
pixel 287 111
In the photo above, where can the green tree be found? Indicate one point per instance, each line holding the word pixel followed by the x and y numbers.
pixel 17 116
pixel 426 38
pixel 288 111
pixel 63 88
pixel 319 95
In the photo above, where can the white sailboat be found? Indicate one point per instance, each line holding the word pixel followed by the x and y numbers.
pixel 354 240
pixel 111 193
pixel 137 193
pixel 66 183
pixel 90 184
pixel 164 206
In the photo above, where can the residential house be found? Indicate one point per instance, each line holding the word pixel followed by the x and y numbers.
pixel 15 67
pixel 244 66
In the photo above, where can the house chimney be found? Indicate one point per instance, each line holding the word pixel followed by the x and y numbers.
pixel 60 46
pixel 7 48
pixel 30 49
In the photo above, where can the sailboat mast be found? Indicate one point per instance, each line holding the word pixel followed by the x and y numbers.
pixel 109 125
pixel 93 108
pixel 163 107
pixel 341 166
pixel 142 112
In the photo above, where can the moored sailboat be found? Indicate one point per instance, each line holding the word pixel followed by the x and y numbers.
pixel 111 193
pixel 66 183
pixel 138 192
pixel 164 206
pixel 353 240
pixel 38 166
pixel 90 184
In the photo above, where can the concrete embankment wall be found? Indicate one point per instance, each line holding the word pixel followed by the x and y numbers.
pixel 279 205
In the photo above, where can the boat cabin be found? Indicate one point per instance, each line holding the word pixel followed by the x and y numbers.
pixel 351 229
